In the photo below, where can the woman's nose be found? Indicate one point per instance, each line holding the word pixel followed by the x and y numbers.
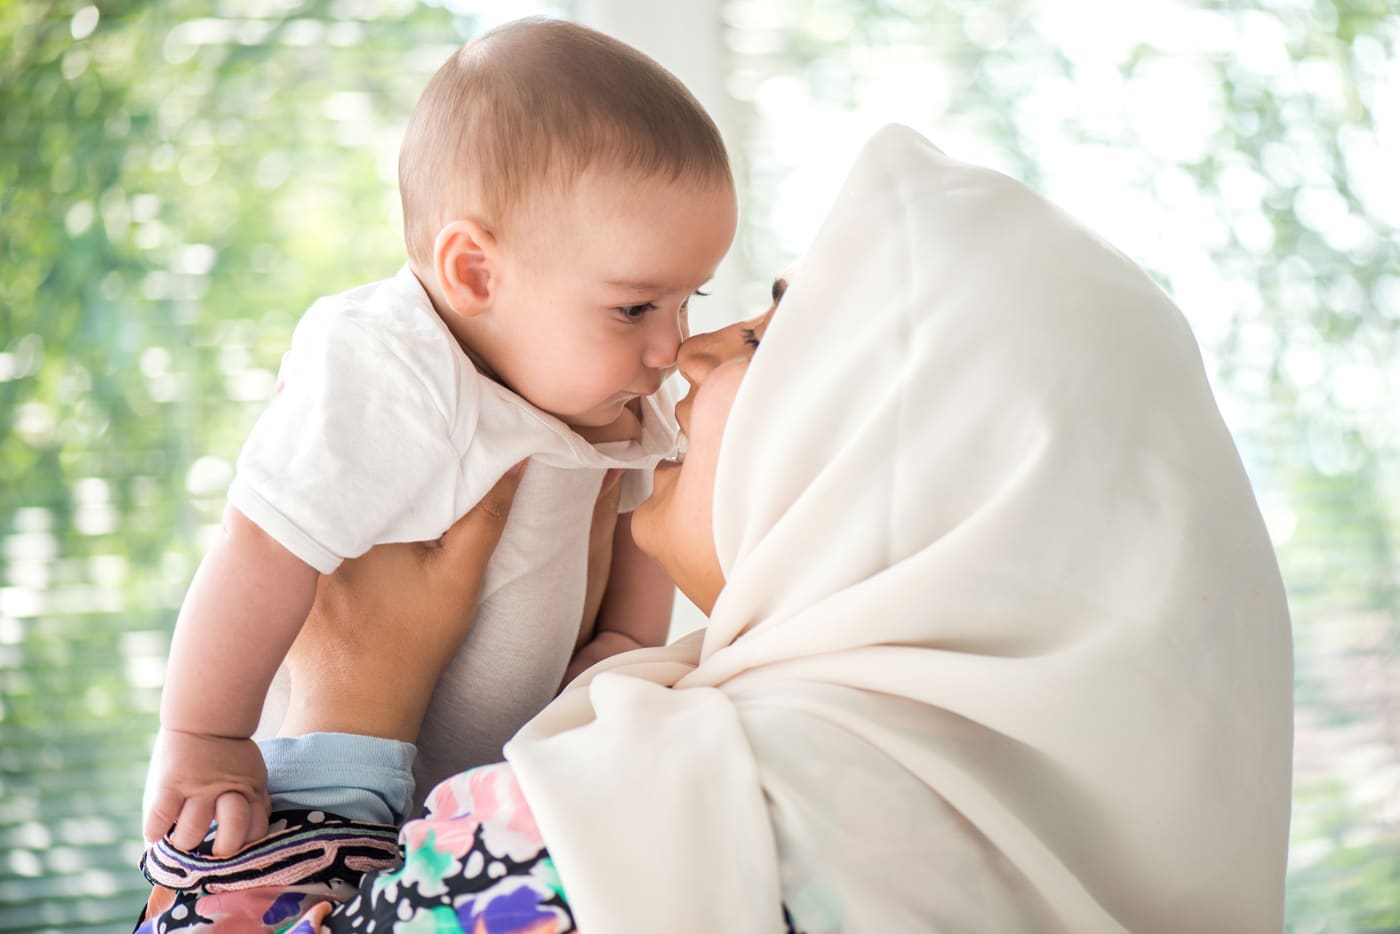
pixel 698 356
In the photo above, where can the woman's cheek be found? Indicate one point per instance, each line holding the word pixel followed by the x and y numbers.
pixel 694 484
pixel 647 519
pixel 675 524
pixel 710 413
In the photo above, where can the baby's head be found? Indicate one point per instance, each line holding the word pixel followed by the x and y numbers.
pixel 563 197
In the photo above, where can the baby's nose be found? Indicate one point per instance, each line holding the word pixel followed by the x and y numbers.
pixel 664 344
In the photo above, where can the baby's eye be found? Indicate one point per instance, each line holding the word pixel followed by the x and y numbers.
pixel 635 312
pixel 749 336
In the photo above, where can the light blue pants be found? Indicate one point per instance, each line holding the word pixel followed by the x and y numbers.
pixel 363 778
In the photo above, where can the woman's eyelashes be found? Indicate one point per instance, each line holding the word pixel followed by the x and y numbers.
pixel 750 335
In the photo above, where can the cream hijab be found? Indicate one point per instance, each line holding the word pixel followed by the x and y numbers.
pixel 1003 645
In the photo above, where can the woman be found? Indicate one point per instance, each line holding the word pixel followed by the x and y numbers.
pixel 997 640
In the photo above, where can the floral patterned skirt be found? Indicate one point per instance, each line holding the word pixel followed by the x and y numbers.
pixel 475 863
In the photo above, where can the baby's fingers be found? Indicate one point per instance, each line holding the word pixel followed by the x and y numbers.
pixel 240 823
pixel 193 823
pixel 162 811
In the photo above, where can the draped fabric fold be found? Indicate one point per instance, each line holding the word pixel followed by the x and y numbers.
pixel 1003 644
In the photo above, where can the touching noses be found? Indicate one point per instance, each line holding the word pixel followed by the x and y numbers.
pixel 699 355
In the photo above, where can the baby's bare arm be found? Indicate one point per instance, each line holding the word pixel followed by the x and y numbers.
pixel 636 604
pixel 600 553
pixel 243 610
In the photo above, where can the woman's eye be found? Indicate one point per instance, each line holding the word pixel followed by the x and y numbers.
pixel 635 312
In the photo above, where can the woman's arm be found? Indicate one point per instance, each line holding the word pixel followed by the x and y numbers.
pixel 385 625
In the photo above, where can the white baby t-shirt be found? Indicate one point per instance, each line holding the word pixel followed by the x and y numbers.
pixel 384 431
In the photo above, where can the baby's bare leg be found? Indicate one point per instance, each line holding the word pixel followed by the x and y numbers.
pixel 385 625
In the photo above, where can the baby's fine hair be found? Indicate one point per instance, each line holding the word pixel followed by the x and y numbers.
pixel 531 105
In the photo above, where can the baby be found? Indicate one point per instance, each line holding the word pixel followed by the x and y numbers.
pixel 563 197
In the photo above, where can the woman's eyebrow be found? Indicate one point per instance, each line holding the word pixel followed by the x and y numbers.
pixel 779 287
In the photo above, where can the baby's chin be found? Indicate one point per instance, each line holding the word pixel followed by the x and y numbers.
pixel 617 422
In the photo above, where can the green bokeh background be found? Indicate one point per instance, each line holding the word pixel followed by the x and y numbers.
pixel 178 180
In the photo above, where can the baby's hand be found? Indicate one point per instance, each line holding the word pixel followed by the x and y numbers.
pixel 195 780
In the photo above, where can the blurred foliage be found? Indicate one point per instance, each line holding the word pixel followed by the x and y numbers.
pixel 1354 886
pixel 178 180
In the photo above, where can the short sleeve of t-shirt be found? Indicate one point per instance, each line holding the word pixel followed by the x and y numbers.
pixel 358 447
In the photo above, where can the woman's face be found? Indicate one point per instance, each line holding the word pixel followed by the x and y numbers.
pixel 676 524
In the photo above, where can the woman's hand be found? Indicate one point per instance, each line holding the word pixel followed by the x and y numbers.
pixel 385 625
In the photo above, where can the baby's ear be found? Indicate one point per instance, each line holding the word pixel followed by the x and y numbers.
pixel 464 258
